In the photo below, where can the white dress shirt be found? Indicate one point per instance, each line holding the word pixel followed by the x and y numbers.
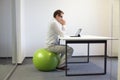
pixel 55 30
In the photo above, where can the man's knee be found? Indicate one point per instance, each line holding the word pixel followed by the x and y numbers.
pixel 70 49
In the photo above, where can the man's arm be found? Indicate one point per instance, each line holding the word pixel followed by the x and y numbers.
pixel 62 21
pixel 57 30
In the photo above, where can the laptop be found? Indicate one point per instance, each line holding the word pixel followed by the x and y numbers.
pixel 77 34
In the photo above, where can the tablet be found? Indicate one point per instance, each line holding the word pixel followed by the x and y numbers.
pixel 78 32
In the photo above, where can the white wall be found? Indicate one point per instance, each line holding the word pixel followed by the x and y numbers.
pixel 115 27
pixel 5 28
pixel 91 15
pixel 119 47
pixel 19 31
pixel 119 58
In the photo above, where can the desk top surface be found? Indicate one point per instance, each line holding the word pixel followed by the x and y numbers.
pixel 88 37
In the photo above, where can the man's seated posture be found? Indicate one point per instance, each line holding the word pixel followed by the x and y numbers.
pixel 57 28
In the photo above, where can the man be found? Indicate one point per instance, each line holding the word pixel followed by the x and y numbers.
pixel 57 28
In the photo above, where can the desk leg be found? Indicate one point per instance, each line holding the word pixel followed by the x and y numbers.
pixel 105 58
pixel 66 57
pixel 88 53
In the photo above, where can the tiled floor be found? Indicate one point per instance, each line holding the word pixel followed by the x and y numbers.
pixel 5 66
pixel 27 71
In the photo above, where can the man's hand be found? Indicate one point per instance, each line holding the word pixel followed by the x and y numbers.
pixel 62 21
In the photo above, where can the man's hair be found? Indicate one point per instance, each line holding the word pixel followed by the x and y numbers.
pixel 57 12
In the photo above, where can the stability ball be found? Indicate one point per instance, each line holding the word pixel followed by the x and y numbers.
pixel 45 60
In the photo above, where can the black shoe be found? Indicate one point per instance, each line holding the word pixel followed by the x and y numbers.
pixel 62 68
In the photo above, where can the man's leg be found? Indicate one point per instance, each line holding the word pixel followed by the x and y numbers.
pixel 60 49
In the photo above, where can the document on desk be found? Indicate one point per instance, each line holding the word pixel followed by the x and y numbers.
pixel 87 37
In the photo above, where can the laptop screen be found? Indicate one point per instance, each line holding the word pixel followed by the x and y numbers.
pixel 78 32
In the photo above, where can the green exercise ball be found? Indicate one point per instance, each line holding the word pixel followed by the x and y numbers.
pixel 45 60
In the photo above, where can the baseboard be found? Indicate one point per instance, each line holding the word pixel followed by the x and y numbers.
pixel 5 57
pixel 72 57
pixel 21 62
pixel 112 56
pixel 89 56
pixel 97 56
pixel 84 56
pixel 28 57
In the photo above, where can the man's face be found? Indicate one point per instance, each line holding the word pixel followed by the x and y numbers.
pixel 59 17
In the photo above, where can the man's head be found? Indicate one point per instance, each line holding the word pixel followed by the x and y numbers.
pixel 58 15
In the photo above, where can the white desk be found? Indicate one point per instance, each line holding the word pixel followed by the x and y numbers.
pixel 87 39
